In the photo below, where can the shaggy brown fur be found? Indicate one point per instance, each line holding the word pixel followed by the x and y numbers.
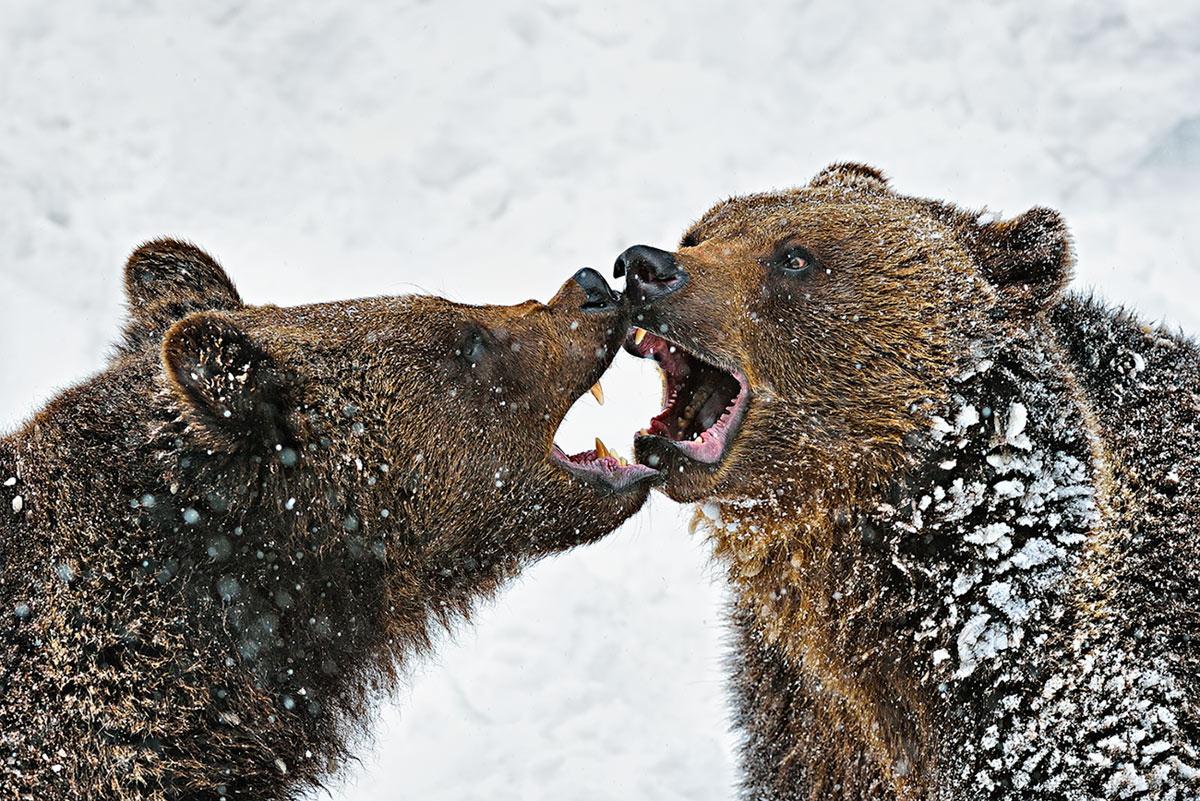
pixel 219 549
pixel 960 513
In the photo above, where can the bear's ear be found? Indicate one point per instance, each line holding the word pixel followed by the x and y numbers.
pixel 231 388
pixel 165 281
pixel 851 176
pixel 1029 259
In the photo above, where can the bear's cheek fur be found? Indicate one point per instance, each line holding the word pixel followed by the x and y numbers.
pixel 483 423
pixel 484 431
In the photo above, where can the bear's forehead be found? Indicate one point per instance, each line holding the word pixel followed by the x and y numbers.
pixel 768 215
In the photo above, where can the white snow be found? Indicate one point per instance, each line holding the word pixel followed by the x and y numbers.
pixel 1014 431
pixel 485 152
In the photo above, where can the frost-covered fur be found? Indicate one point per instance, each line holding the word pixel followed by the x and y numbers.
pixel 961 518
pixel 1042 572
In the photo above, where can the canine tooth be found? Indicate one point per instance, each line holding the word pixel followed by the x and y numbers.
pixel 601 451
pixel 597 393
pixel 638 335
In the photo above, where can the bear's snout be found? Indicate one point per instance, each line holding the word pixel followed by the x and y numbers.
pixel 600 296
pixel 650 273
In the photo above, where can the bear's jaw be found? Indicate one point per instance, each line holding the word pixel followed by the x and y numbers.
pixel 703 404
pixel 599 466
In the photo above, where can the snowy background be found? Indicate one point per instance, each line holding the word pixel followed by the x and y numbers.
pixel 487 150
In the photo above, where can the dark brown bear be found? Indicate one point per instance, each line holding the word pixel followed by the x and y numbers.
pixel 219 550
pixel 959 506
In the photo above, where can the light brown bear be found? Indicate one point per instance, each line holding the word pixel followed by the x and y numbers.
pixel 959 507
pixel 217 551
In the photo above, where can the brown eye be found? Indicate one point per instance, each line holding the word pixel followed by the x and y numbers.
pixel 473 346
pixel 795 261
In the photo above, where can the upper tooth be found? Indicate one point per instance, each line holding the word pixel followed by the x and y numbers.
pixel 597 393
pixel 638 335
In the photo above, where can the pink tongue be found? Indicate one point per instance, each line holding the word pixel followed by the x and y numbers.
pixel 708 449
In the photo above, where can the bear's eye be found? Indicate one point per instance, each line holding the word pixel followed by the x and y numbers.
pixel 473 346
pixel 795 261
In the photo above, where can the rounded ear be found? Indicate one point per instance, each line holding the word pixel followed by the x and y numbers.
pixel 230 388
pixel 1029 259
pixel 166 280
pixel 849 175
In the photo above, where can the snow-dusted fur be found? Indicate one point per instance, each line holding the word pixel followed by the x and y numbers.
pixel 960 517
pixel 1039 569
pixel 219 551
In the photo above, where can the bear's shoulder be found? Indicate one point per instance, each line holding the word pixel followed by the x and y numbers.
pixel 1142 381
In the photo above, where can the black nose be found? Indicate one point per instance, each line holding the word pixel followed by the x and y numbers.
pixel 600 296
pixel 649 273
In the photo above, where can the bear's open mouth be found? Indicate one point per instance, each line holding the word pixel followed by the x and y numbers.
pixel 703 404
pixel 599 465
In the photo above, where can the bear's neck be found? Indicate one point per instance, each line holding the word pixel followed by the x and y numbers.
pixel 343 574
pixel 947 577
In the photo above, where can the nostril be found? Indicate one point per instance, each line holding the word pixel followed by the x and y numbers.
pixel 650 272
pixel 599 294
pixel 621 265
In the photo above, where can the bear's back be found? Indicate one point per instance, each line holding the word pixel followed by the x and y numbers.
pixel 12 517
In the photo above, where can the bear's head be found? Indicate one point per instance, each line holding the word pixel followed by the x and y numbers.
pixel 358 417
pixel 801 331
